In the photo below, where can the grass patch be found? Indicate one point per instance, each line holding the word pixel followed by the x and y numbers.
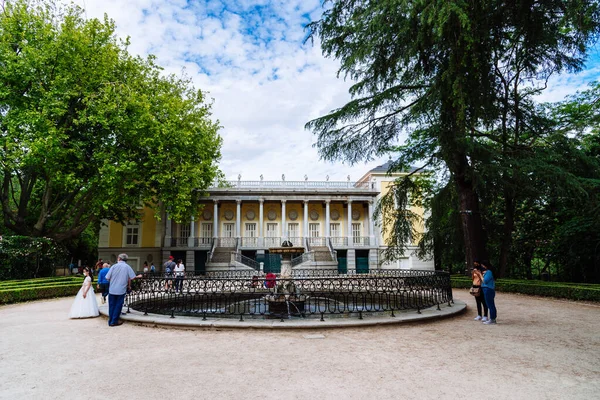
pixel 561 290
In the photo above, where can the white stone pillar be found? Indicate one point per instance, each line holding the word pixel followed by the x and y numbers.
pixel 192 232
pixel 327 233
pixel 305 228
pixel 371 225
pixel 216 219
pixel 284 232
pixel 349 225
pixel 167 230
pixel 261 222
pixel 238 219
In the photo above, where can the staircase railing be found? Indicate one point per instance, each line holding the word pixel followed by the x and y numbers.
pixel 331 250
pixel 247 261
pixel 213 245
pixel 302 258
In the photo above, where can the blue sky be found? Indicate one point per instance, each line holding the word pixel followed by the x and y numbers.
pixel 266 84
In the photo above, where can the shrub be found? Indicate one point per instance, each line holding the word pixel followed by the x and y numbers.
pixel 15 295
pixel 23 257
pixel 572 291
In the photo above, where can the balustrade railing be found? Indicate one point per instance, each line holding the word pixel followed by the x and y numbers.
pixel 297 241
pixel 302 295
pixel 272 241
pixel 226 242
pixel 366 186
pixel 249 242
pixel 358 241
pixel 339 241
pixel 202 242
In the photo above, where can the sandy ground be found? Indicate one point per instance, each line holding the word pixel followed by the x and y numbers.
pixel 540 349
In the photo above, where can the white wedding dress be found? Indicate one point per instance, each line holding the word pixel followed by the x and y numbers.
pixel 85 308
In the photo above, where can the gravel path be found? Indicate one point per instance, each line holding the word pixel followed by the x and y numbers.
pixel 540 349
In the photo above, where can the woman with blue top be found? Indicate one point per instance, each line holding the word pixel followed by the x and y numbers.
pixel 489 291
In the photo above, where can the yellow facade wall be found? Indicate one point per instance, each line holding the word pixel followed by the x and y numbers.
pixel 148 227
pixel 385 187
pixel 115 238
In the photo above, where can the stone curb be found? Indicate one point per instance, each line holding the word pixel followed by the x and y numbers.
pixel 427 314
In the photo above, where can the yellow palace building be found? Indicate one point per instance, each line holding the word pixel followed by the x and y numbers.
pixel 332 223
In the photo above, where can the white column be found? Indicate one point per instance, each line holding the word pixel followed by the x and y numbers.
pixel 305 229
pixel 216 219
pixel 261 238
pixel 192 232
pixel 238 219
pixel 167 230
pixel 327 233
pixel 371 224
pixel 284 233
pixel 349 224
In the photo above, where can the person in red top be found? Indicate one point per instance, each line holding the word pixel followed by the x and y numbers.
pixel 270 280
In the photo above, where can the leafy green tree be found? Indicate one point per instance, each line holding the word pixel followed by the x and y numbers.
pixel 439 71
pixel 88 131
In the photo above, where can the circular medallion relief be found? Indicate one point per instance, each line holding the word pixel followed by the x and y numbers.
pixel 271 215
pixel 355 214
pixel 314 215
pixel 250 215
pixel 228 215
pixel 293 215
pixel 335 215
pixel 207 215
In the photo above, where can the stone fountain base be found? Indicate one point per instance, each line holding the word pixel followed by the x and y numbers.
pixel 284 304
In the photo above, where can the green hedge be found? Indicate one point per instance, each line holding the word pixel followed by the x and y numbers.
pixel 572 291
pixel 34 289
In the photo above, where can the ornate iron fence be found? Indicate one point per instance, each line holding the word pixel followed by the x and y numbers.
pixel 248 295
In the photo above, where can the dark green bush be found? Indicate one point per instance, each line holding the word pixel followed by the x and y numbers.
pixel 572 291
pixel 23 257
pixel 16 295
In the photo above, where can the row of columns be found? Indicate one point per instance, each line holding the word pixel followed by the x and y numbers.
pixel 284 235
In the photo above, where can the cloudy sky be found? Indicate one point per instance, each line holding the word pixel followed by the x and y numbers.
pixel 266 84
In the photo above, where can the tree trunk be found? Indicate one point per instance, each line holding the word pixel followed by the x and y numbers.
pixel 509 223
pixel 471 223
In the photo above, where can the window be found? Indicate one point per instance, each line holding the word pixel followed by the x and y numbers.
pixel 335 230
pixel 229 230
pixel 206 232
pixel 294 233
pixel 250 234
pixel 132 235
pixel 314 232
pixel 184 231
pixel 356 233
pixel 272 235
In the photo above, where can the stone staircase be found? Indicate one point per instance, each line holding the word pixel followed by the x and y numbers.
pixel 321 254
pixel 222 255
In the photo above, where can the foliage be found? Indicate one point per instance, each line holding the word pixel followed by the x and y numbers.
pixel 24 257
pixel 35 289
pixel 459 79
pixel 88 131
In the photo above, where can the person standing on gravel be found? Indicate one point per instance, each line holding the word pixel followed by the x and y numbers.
pixel 489 291
pixel 477 277
pixel 119 276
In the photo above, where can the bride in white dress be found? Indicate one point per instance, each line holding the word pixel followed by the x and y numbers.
pixel 85 304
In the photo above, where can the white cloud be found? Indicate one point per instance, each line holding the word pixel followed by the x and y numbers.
pixel 249 56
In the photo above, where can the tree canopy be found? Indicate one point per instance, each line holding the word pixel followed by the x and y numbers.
pixel 89 131
pixel 459 79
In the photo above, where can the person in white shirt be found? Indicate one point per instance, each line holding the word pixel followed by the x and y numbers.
pixel 179 275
